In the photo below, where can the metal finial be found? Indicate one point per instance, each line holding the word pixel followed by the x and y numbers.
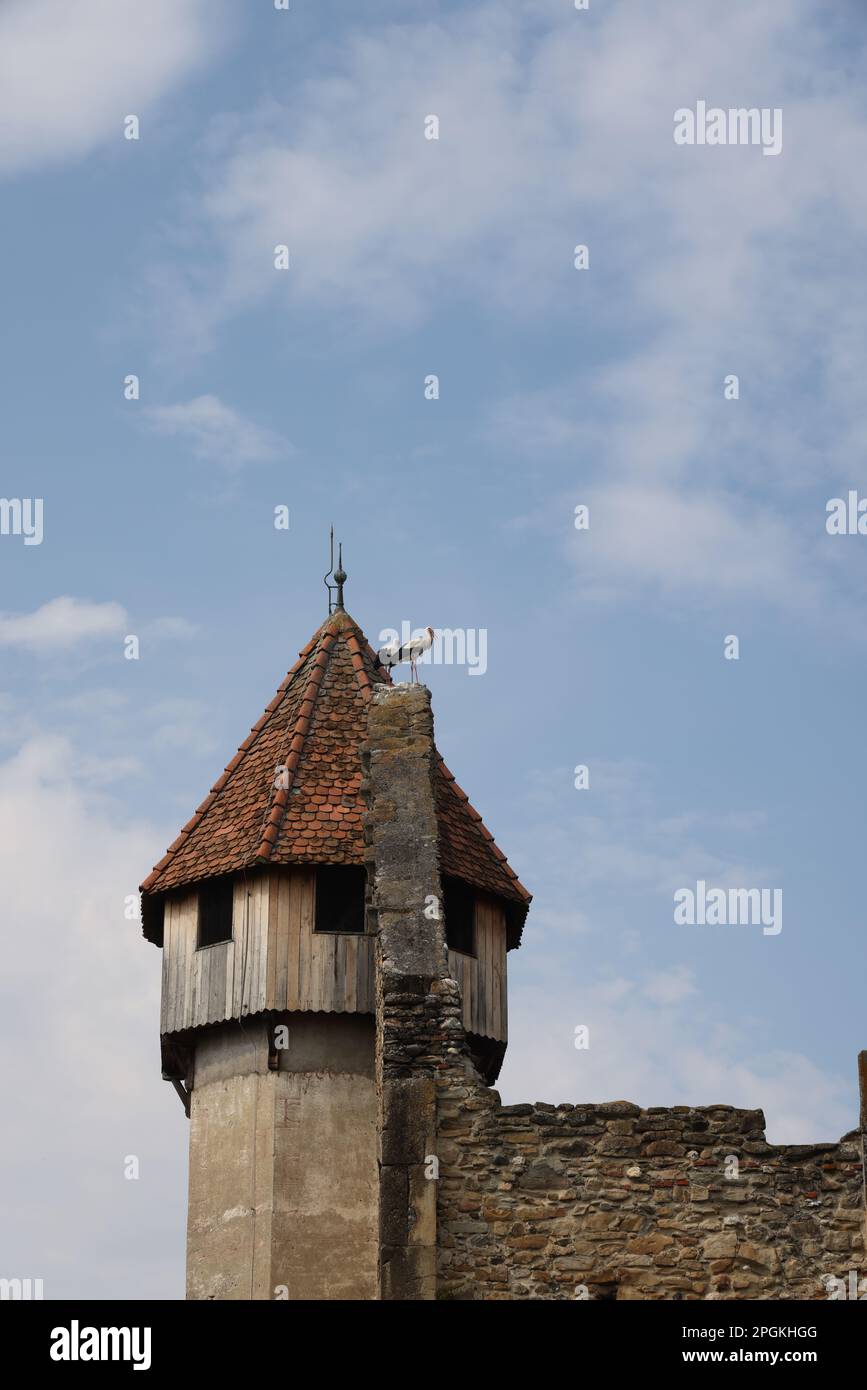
pixel 339 577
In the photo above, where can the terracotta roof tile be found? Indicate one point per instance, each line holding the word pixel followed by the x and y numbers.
pixel 312 731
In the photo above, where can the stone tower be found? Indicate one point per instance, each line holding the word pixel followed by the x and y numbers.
pixel 265 910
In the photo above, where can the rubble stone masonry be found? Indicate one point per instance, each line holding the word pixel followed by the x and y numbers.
pixel 614 1202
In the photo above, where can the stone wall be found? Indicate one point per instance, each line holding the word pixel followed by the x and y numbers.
pixel 614 1202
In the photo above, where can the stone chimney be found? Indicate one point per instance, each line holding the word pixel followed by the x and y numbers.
pixel 418 1009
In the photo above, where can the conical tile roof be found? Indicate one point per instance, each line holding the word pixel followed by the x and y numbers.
pixel 292 792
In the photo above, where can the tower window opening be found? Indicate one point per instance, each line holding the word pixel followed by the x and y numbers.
pixel 215 912
pixel 340 898
pixel 459 905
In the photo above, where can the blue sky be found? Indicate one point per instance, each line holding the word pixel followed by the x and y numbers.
pixel 557 387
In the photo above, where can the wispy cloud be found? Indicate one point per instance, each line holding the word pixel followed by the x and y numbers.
pixel 380 218
pixel 218 434
pixel 696 543
pixel 556 131
pixel 616 837
pixel 60 624
pixel 70 73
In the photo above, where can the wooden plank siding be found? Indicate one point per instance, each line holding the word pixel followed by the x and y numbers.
pixel 275 960
pixel 482 977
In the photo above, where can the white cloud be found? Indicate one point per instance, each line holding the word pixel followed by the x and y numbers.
pixel 217 433
pixel 70 72
pixel 375 216
pixel 703 261
pixel 544 128
pixel 80 998
pixel 547 124
pixel 60 624
pixel 700 543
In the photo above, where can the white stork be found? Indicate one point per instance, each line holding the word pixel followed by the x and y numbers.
pixel 394 654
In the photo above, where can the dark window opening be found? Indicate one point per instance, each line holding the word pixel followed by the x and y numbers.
pixel 340 897
pixel 459 905
pixel 215 911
